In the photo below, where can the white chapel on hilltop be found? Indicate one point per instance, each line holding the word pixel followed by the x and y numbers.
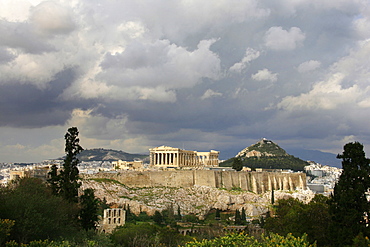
pixel 166 157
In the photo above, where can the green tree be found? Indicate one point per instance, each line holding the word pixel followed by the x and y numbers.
pixel 89 209
pixel 69 183
pixel 349 206
pixel 237 164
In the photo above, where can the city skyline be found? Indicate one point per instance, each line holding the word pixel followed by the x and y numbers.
pixel 199 75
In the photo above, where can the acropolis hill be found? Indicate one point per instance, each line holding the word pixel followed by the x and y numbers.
pixel 193 168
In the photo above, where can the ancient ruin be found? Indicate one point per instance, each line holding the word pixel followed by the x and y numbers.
pixel 112 218
pixel 169 157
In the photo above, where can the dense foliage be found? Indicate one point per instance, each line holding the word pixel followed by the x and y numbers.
pixel 275 162
pixel 36 212
pixel 237 164
pixel 241 239
pixel 342 219
pixel 145 234
pixel 270 162
pixel 295 217
pixel 6 226
pixel 89 209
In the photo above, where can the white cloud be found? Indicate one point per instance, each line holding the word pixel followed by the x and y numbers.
pixel 249 56
pixel 92 125
pixel 308 66
pixel 326 95
pixel 151 71
pixel 33 69
pixel 158 94
pixel 362 26
pixel 132 29
pixel 51 18
pixel 209 94
pixel 14 10
pixel 346 84
pixel 265 75
pixel 364 103
pixel 276 38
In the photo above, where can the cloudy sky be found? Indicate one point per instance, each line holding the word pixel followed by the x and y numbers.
pixel 199 75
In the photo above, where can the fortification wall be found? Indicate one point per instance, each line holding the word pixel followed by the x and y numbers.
pixel 257 182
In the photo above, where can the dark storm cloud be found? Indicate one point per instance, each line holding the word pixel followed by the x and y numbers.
pixel 190 73
pixel 28 106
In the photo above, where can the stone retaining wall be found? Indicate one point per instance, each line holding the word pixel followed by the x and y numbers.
pixel 257 182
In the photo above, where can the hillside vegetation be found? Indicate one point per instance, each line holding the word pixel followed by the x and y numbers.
pixel 267 155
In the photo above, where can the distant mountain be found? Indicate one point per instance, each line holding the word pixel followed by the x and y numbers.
pixel 323 158
pixel 100 154
pixel 268 155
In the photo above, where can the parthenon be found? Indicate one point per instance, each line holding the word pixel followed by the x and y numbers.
pixel 165 156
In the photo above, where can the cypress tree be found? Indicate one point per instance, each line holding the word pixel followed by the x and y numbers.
pixel 237 217
pixel 178 213
pixel 243 217
pixel 348 205
pixel 129 216
pixel 218 215
pixel 69 183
